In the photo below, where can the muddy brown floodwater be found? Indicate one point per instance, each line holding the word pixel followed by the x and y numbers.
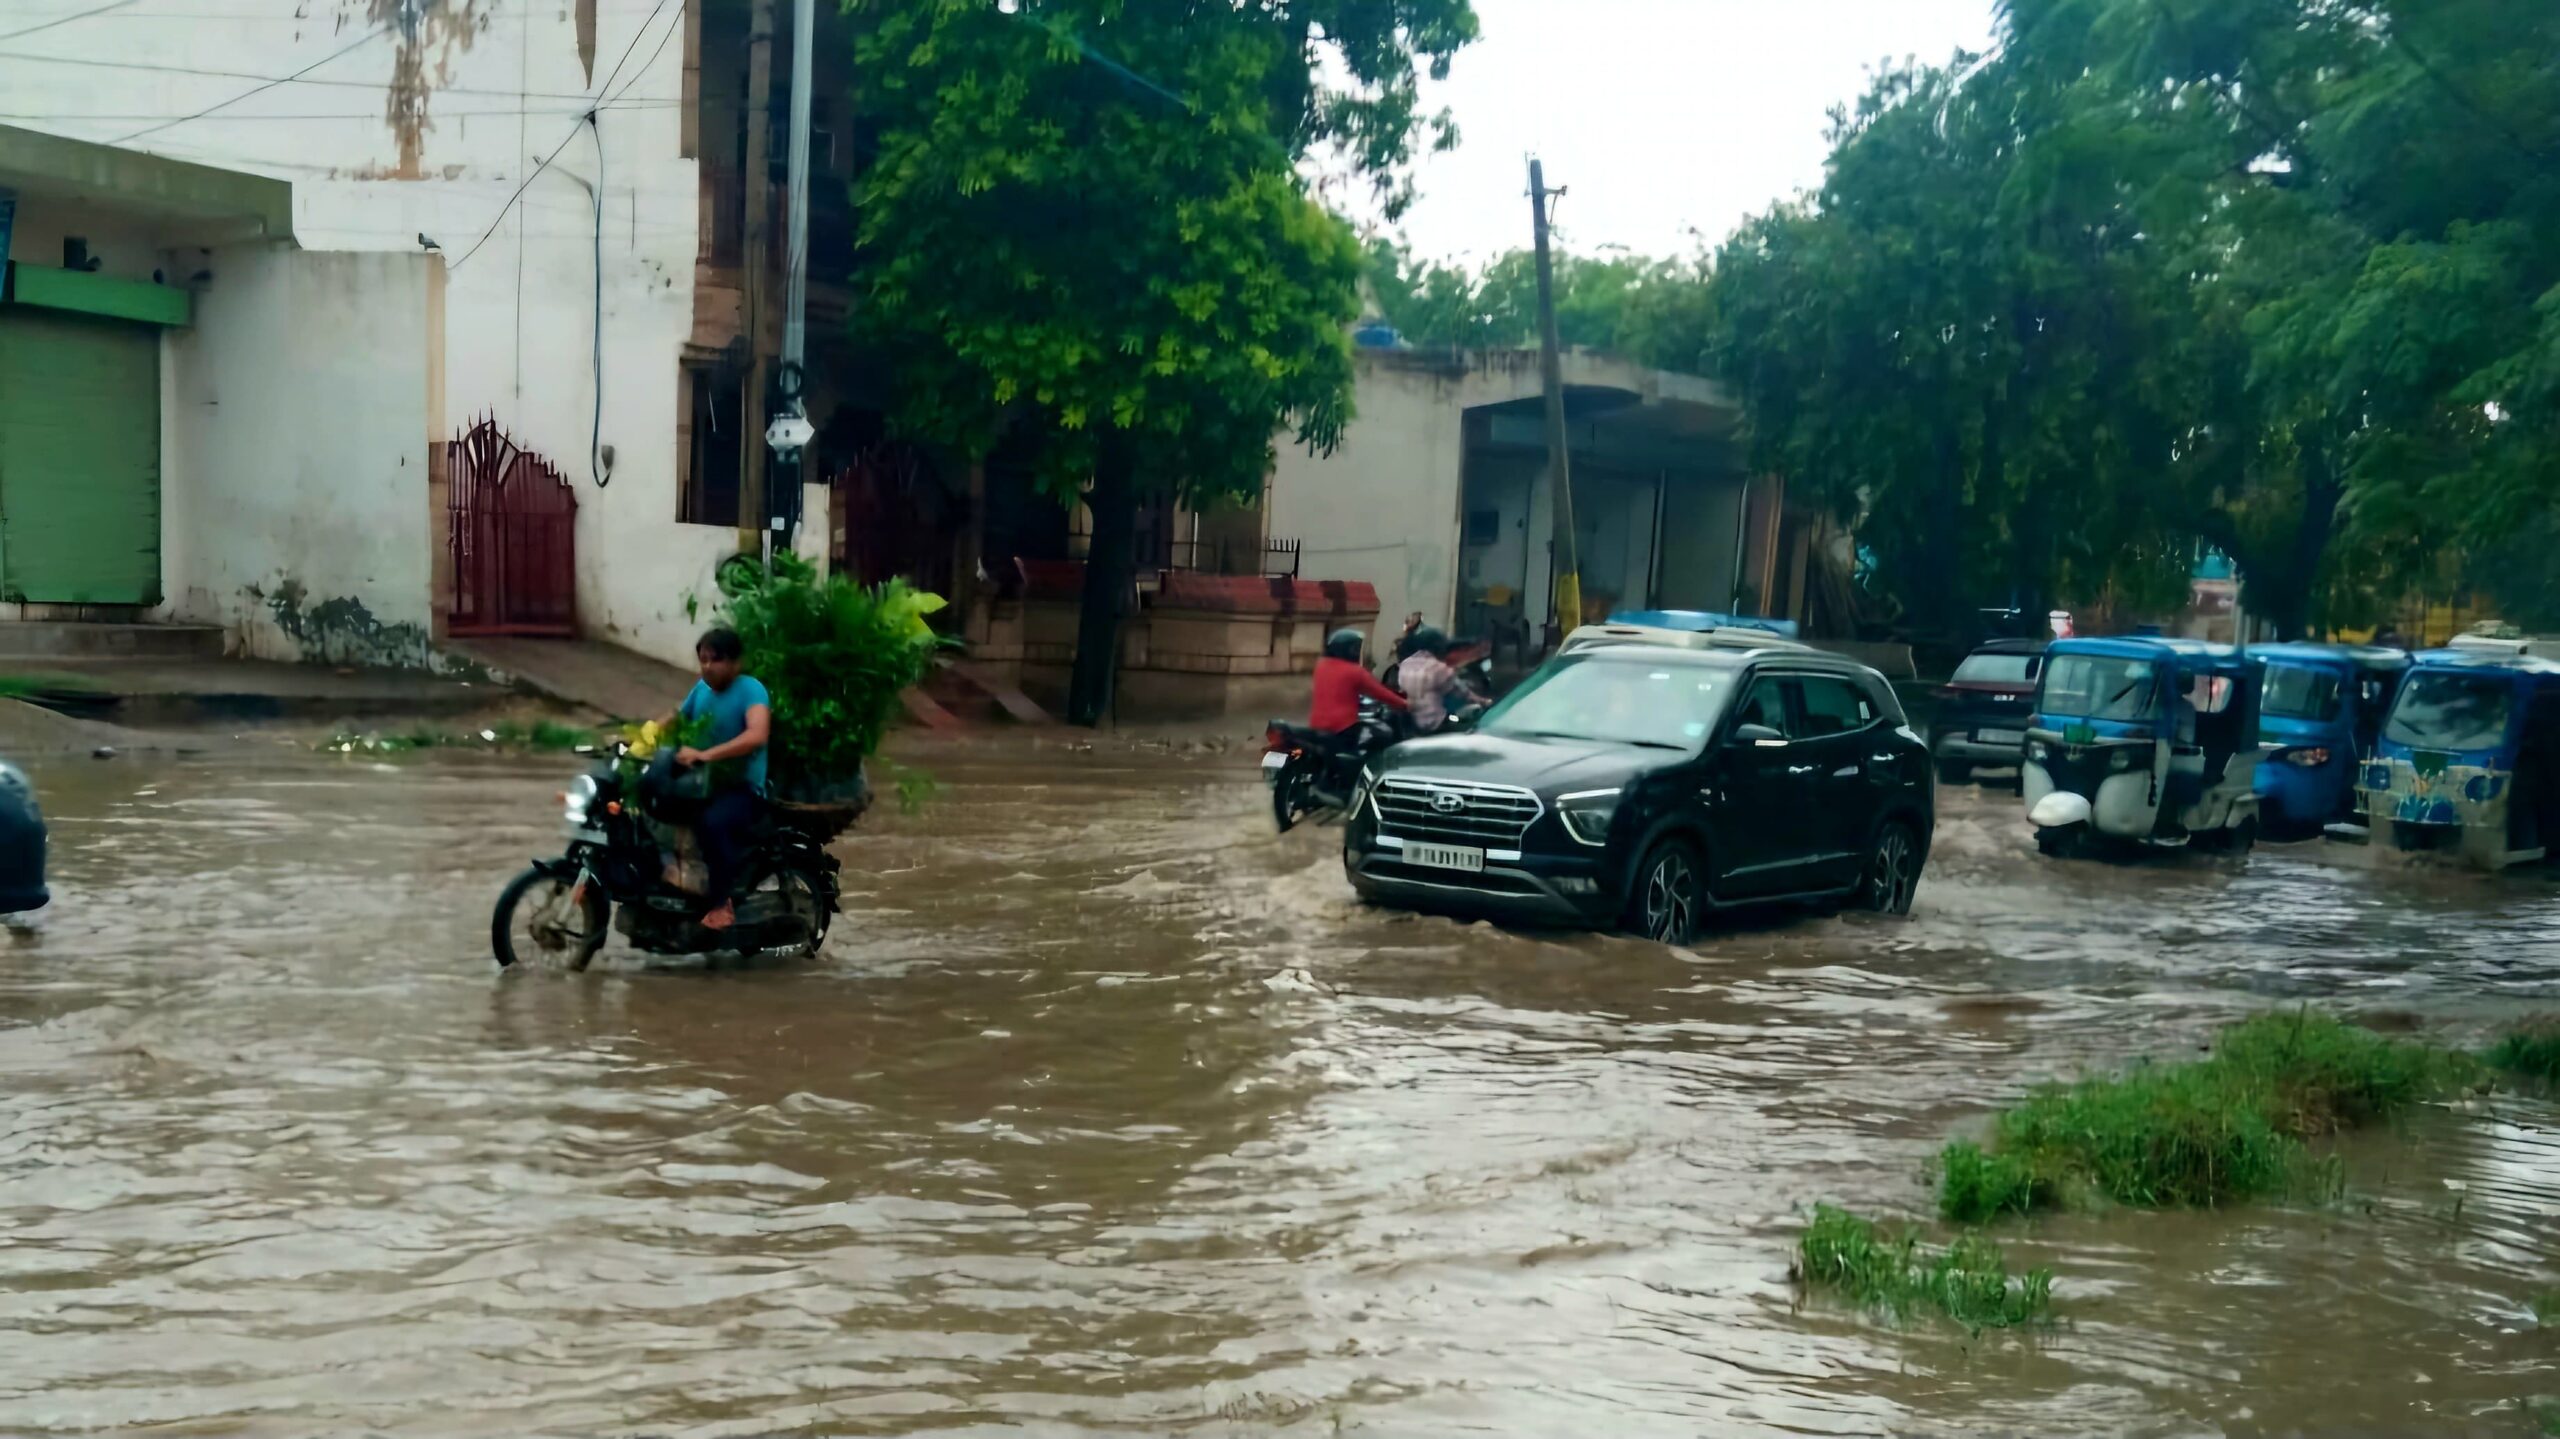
pixel 1107 1112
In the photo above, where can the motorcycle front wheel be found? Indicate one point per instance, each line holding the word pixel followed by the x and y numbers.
pixel 801 901
pixel 543 918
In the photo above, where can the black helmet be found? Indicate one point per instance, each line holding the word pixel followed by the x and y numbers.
pixel 1345 644
pixel 1429 640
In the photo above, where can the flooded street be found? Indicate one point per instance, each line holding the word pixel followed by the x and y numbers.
pixel 1106 1111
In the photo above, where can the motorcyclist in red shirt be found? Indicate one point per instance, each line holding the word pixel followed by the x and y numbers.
pixel 1342 682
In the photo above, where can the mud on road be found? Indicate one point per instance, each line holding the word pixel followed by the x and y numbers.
pixel 1106 1111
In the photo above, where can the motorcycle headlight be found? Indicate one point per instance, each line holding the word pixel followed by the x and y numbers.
pixel 1587 815
pixel 578 798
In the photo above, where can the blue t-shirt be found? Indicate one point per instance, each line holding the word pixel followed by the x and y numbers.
pixel 728 710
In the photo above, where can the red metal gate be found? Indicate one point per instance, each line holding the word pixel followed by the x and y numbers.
pixel 512 525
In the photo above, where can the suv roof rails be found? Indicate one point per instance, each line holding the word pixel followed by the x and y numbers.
pixel 1728 638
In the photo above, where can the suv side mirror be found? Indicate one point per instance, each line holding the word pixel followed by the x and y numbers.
pixel 1757 734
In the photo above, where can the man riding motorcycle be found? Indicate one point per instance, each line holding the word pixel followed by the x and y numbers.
pixel 1431 687
pixel 1341 682
pixel 741 720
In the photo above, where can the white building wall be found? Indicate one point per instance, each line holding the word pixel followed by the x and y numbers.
pixel 1388 507
pixel 294 418
pixel 1384 506
pixel 505 88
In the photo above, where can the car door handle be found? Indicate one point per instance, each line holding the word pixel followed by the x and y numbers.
pixel 1802 768
pixel 1848 771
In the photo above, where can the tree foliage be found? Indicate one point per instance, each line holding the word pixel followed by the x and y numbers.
pixel 2280 276
pixel 1617 301
pixel 1087 217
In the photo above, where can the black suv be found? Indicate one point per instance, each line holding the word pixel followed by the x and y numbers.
pixel 1641 784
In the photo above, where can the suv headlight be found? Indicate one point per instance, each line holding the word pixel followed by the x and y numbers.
pixel 1587 815
pixel 577 799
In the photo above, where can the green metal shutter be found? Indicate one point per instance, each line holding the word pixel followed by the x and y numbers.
pixel 79 459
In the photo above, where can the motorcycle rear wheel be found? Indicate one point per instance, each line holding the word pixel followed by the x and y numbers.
pixel 544 907
pixel 1290 800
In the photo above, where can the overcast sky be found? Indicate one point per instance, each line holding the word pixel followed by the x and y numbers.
pixel 1660 116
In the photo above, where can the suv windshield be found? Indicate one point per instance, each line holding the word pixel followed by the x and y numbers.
pixel 1616 697
pixel 2295 693
pixel 2096 687
pixel 2451 711
pixel 1995 670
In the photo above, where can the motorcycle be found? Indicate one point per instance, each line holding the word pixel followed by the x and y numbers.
pixel 614 877
pixel 1312 774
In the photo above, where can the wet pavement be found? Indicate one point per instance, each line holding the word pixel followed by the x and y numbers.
pixel 1108 1112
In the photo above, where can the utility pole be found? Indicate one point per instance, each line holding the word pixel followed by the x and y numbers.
pixel 752 508
pixel 789 434
pixel 1568 566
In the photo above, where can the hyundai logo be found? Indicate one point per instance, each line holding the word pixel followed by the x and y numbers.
pixel 1448 802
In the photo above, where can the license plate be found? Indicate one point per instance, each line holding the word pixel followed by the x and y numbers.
pixel 1274 762
pixel 2000 736
pixel 1445 856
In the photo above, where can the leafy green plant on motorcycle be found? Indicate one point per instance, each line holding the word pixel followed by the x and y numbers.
pixel 835 656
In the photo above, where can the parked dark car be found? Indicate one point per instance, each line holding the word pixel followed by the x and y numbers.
pixel 22 840
pixel 1640 785
pixel 1982 711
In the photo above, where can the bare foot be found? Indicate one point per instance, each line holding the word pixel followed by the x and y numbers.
pixel 721 918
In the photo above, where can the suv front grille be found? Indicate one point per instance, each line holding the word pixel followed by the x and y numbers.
pixel 1446 811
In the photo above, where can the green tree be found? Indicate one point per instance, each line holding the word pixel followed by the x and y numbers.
pixel 2278 275
pixel 1977 381
pixel 1086 216
pixel 1603 302
pixel 2363 193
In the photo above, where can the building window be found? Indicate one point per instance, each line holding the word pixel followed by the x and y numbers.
pixel 715 411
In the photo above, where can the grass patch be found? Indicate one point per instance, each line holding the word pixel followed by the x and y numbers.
pixel 1968 1281
pixel 2194 1135
pixel 539 737
pixel 2531 1049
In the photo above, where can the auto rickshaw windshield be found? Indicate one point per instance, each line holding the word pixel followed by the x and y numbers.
pixel 2297 693
pixel 2452 712
pixel 2102 687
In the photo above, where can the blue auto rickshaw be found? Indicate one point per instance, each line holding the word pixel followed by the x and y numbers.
pixel 2469 760
pixel 2321 709
pixel 2144 741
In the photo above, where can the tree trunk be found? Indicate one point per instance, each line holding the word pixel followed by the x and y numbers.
pixel 1108 579
pixel 2283 597
pixel 2321 492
